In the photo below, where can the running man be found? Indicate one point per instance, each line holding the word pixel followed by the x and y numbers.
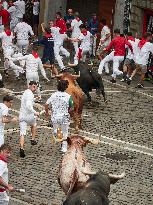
pixel 60 103
pixel 28 116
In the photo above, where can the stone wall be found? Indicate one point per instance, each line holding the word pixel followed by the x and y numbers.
pixel 119 14
pixel 137 14
pixel 55 6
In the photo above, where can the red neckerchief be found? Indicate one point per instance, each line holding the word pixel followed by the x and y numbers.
pixel 131 38
pixel 2 158
pixel 35 54
pixel 48 35
pixel 84 32
pixel 8 32
pixel 78 19
pixel 142 43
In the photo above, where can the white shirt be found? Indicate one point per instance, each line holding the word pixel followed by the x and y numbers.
pixel 59 102
pixel 104 32
pixel 12 10
pixel 6 40
pixel 23 30
pixel 134 44
pixel 36 8
pixel 3 112
pixel 4 171
pixel 76 28
pixel 20 6
pixel 85 40
pixel 143 53
pixel 27 103
pixel 32 64
pixel 56 35
pixel 5 5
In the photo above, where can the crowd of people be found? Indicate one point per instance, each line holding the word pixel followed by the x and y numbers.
pixel 15 34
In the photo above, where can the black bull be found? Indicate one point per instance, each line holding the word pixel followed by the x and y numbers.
pixel 95 192
pixel 88 80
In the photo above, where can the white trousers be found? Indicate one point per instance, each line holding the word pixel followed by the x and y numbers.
pixel 76 46
pixel 83 58
pixel 104 63
pixel 57 49
pixel 93 45
pixel 24 121
pixel 64 128
pixel 8 63
pixel 116 62
pixel 4 198
pixel 23 45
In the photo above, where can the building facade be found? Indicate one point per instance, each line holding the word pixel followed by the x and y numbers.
pixel 128 15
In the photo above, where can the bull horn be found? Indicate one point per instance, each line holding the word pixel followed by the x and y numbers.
pixel 117 176
pixel 88 172
pixel 91 140
pixel 76 76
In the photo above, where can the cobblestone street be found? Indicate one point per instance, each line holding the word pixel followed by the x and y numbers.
pixel 126 144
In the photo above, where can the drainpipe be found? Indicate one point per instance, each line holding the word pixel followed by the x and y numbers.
pixel 127 14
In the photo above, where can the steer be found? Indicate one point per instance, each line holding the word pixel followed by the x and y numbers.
pixel 74 166
pixel 77 96
pixel 95 190
pixel 88 80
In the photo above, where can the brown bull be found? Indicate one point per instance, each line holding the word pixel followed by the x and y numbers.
pixel 74 166
pixel 75 170
pixel 77 95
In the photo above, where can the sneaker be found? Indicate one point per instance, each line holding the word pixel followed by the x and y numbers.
pixel 122 80
pixel 140 86
pixel 33 142
pixel 22 154
pixel 129 81
pixel 113 81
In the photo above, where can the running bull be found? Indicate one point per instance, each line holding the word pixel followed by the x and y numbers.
pixel 77 96
pixel 95 190
pixel 73 168
pixel 88 80
pixel 75 171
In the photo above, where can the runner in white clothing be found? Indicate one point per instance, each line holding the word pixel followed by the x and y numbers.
pixel 33 64
pixel 85 39
pixel 58 43
pixel 141 59
pixel 60 104
pixel 27 116
pixel 14 20
pixel 7 45
pixel 4 115
pixel 20 6
pixel 104 40
pixel 129 63
pixel 75 27
pixel 22 31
